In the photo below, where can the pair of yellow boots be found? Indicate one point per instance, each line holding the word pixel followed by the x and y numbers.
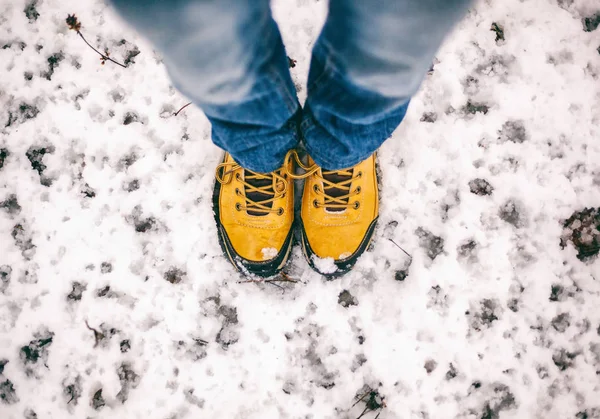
pixel 255 215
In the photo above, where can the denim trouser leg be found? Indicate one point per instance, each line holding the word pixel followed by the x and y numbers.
pixel 228 58
pixel 369 60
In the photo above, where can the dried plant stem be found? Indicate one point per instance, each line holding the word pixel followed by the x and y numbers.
pixel 104 57
pixel 283 278
pixel 182 108
pixel 361 399
pixel 398 246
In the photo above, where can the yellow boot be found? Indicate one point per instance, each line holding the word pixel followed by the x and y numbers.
pixel 339 213
pixel 254 214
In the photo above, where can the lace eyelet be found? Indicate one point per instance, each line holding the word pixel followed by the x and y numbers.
pixel 237 176
pixel 237 191
pixel 359 174
pixel 238 206
pixel 316 188
pixel 280 211
pixel 316 203
pixel 356 205
pixel 358 189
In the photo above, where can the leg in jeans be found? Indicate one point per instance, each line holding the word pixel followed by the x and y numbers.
pixel 367 63
pixel 228 58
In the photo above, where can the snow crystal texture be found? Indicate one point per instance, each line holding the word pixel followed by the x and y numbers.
pixel 115 299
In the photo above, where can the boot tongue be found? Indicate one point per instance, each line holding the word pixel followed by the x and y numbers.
pixel 337 177
pixel 254 196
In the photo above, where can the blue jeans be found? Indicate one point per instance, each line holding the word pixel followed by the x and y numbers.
pixel 227 56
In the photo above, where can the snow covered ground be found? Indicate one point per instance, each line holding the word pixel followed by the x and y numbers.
pixel 115 300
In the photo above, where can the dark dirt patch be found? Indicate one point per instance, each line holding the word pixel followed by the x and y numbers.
pixel 130 118
pixel 174 275
pixel 499 30
pixel 194 351
pixel 430 366
pixel 30 11
pixel 23 113
pixel 582 229
pixel 106 267
pixel 502 399
pixel 127 160
pixel 35 351
pixel 97 401
pixel 145 225
pixel 557 293
pixel 188 393
pixel 4 153
pixel 36 158
pixel 513 131
pixel 467 248
pixel 11 205
pixel 511 213
pixel 130 55
pixel 3 362
pixel 486 314
pixel 228 334
pixel 451 373
pixel 480 187
pixel 76 291
pixel 564 359
pixel 88 191
pixel 125 346
pixel 229 314
pixel 430 117
pixel 134 185
pixel 129 380
pixel 72 391
pixel 23 241
pixel 591 23
pixel 53 62
pixel 401 275
pixel 474 107
pixel 345 299
pixel 561 322
pixel 20 45
pixel 102 337
pixel 433 245
pixel 5 275
pixel 30 414
pixel 8 395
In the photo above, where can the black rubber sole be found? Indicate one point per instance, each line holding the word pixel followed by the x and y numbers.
pixel 264 269
pixel 343 266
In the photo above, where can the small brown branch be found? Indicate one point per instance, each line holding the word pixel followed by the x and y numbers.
pixel 104 57
pixel 182 108
pixel 363 412
pixel 362 398
pixel 400 248
pixel 284 278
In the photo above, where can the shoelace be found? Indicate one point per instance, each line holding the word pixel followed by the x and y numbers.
pixel 337 185
pixel 270 186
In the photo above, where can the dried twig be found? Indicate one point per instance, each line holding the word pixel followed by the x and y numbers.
pixel 182 108
pixel 75 24
pixel 361 399
pixel 371 404
pixel 283 278
pixel 398 246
